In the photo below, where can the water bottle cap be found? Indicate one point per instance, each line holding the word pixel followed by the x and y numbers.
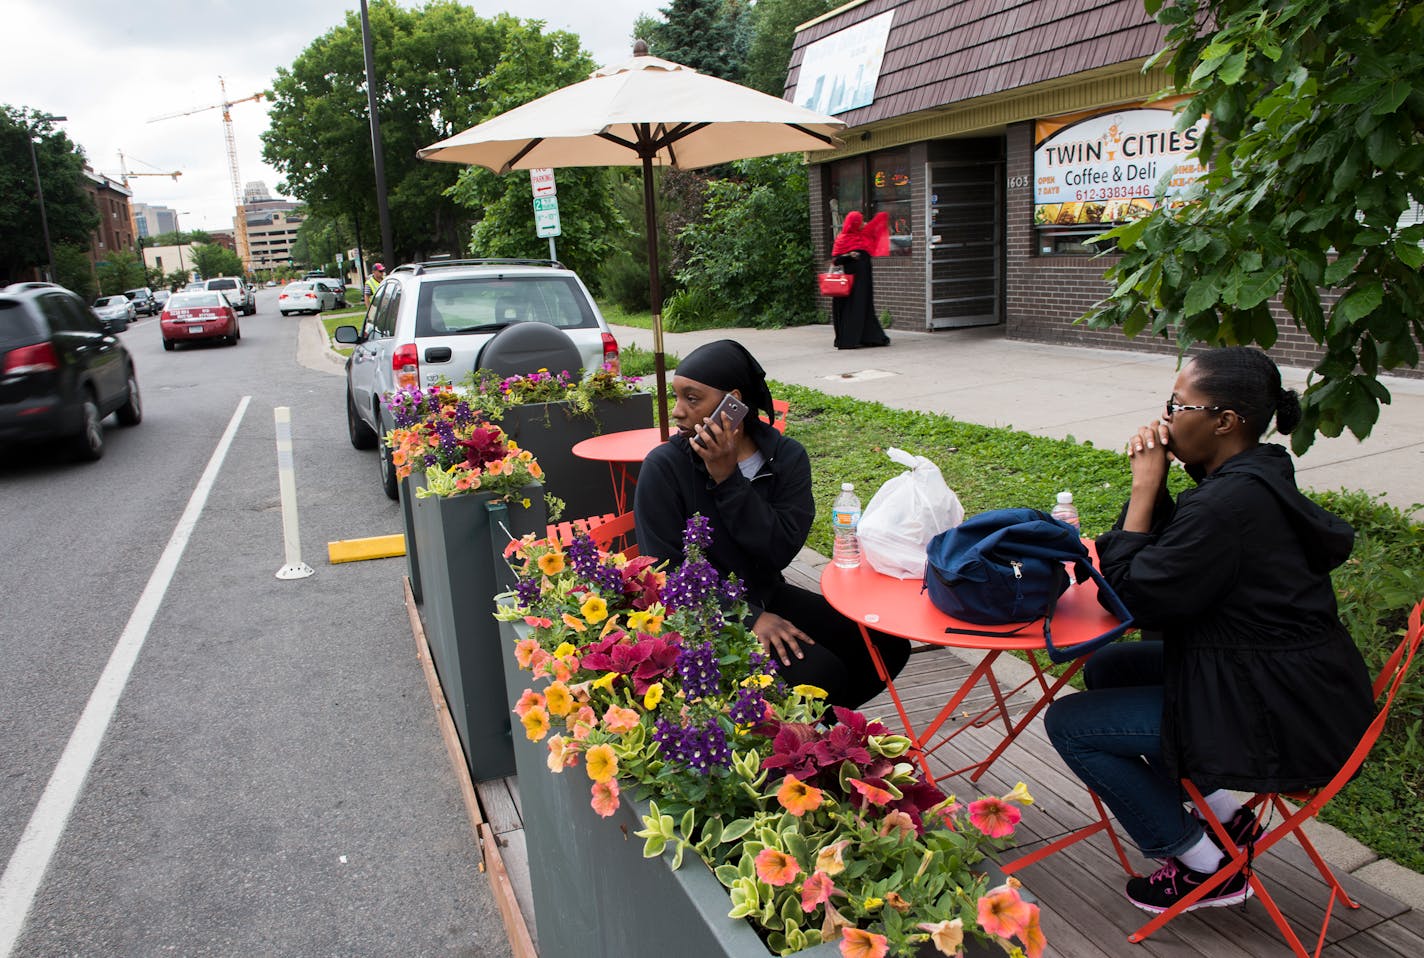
pixel 1065 497
pixel 847 487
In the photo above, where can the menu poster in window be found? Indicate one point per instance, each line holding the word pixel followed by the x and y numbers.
pixel 1113 167
pixel 839 72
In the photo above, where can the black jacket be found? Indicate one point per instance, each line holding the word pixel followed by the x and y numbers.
pixel 758 525
pixel 1264 687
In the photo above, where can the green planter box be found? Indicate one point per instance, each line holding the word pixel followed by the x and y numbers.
pixel 550 431
pixel 408 486
pixel 591 867
pixel 459 544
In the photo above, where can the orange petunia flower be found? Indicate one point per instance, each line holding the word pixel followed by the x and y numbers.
pixel 776 868
pixel 536 723
pixel 600 763
pixel 551 563
pixel 574 622
pixel 605 797
pixel 994 817
pixel 524 648
pixel 815 891
pixel 871 793
pixel 797 797
pixel 859 943
pixel 527 701
pixel 561 754
pixel 558 699
pixel 1034 941
pixel 1003 913
pixel 619 720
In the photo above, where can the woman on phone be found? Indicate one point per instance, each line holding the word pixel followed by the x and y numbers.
pixel 1254 685
pixel 754 485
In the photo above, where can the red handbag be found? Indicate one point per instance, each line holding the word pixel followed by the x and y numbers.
pixel 835 283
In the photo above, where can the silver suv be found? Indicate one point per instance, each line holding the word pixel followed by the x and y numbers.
pixel 431 321
pixel 243 299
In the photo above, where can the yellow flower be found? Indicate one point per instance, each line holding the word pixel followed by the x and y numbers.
pixel 760 681
pixel 594 609
pixel 636 620
pixel 536 723
pixel 653 696
pixel 558 700
pixel 524 502
pixel 565 648
pixel 600 763
pixel 1019 794
pixel 605 681
pixel 809 692
pixel 872 903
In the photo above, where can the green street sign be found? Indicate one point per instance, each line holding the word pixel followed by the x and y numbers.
pixel 544 204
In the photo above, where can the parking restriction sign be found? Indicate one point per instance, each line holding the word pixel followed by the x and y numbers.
pixel 542 182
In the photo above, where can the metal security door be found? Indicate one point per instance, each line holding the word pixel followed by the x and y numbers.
pixel 965 285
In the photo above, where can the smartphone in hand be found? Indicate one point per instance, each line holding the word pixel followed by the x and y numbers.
pixel 735 410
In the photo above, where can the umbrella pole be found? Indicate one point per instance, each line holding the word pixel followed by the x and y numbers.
pixel 655 297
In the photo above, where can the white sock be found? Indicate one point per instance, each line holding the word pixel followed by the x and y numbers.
pixel 1203 857
pixel 1223 805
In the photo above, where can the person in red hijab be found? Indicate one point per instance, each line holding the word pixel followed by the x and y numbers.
pixel 856 323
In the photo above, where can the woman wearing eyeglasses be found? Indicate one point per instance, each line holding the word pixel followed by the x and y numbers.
pixel 1250 681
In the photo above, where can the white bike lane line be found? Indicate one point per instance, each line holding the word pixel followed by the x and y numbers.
pixel 31 858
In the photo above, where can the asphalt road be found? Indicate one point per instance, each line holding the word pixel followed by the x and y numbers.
pixel 271 780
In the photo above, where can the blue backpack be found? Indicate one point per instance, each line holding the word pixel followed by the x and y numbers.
pixel 1005 566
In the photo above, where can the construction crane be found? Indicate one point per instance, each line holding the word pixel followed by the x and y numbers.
pixel 124 173
pixel 226 106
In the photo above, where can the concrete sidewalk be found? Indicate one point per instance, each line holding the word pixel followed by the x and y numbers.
pixel 1091 395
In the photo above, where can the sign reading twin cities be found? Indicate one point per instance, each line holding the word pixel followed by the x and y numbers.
pixel 1121 155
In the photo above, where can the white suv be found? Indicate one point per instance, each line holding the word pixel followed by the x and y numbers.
pixel 430 321
pixel 237 292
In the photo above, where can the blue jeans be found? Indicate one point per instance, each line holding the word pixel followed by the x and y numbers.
pixel 1111 737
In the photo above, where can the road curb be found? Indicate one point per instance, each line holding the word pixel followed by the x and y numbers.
pixel 314 348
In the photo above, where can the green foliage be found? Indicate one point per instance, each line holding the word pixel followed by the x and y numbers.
pixel 1000 468
pixel 210 260
pixel 711 36
pixel 121 271
pixel 74 271
pixel 68 209
pixel 1315 151
pixel 179 238
pixel 774 24
pixel 441 68
pixel 695 308
pixel 751 249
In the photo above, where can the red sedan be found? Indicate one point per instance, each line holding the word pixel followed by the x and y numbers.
pixel 198 315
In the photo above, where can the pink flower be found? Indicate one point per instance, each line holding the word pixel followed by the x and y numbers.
pixel 900 823
pixel 1003 913
pixel 859 943
pixel 873 794
pixel 776 868
pixel 524 648
pixel 816 890
pixel 994 817
pixel 619 720
pixel 605 797
pixel 527 701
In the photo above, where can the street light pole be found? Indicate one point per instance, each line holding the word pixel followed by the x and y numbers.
pixel 39 191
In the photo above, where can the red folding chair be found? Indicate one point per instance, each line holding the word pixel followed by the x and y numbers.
pixel 1310 804
pixel 606 531
pixel 780 409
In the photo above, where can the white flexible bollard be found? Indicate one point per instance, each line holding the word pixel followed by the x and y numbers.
pixel 295 568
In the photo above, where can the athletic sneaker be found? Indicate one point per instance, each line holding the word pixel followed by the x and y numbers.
pixel 1242 827
pixel 1174 881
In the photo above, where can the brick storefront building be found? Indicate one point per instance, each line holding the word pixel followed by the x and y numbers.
pixel 980 112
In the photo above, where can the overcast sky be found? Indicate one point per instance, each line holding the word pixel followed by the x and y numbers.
pixel 110 67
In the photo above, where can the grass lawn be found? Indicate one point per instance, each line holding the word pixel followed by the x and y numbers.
pixel 346 317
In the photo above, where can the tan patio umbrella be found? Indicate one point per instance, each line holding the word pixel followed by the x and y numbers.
pixel 647 112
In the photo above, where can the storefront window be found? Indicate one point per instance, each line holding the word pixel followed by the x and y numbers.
pixel 876 183
pixel 890 193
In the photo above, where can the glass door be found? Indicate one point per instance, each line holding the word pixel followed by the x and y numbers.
pixel 965 285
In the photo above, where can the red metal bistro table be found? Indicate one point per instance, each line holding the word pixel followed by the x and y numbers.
pixel 899 607
pixel 621 450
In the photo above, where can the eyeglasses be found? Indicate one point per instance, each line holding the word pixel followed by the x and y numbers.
pixel 1175 407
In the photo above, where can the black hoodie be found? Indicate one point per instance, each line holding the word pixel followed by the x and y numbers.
pixel 1264 687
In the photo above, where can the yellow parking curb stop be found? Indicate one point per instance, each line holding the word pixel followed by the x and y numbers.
pixel 374 547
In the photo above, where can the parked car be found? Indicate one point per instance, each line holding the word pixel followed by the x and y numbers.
pixel 202 315
pixel 432 320
pixel 337 287
pixel 305 297
pixel 143 301
pixel 115 308
pixel 243 299
pixel 62 370
pixel 160 296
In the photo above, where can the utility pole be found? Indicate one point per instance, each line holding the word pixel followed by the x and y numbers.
pixel 377 152
pixel 39 191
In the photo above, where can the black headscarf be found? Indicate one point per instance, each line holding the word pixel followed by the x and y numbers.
pixel 726 364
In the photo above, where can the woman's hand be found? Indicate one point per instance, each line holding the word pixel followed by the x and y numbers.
pixel 779 637
pixel 716 443
pixel 1147 452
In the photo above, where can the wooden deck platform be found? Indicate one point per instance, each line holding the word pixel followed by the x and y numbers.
pixel 1080 890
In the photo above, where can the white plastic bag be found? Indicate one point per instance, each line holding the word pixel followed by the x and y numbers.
pixel 904 515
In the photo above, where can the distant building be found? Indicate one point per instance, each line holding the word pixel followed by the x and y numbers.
pixel 154 220
pixel 272 225
pixel 169 259
pixel 115 229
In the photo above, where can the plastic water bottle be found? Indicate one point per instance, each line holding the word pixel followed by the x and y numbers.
pixel 1065 511
pixel 845 517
